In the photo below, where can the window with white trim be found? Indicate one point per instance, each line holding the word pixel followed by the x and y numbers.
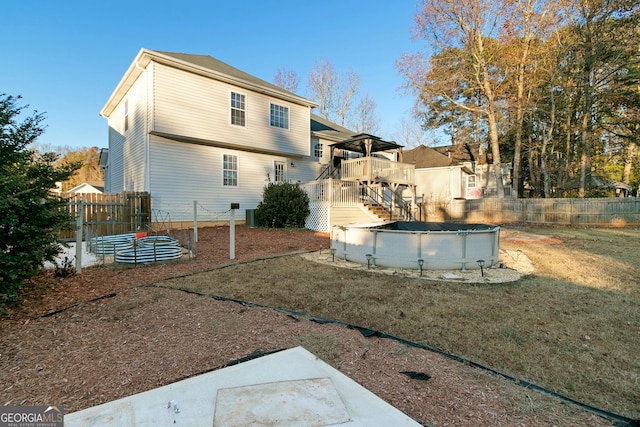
pixel 279 175
pixel 229 170
pixel 126 115
pixel 279 116
pixel 238 109
pixel 471 181
pixel 317 149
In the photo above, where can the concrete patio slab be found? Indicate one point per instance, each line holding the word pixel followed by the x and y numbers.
pixel 288 388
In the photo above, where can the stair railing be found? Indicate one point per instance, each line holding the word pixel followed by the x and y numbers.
pixel 389 201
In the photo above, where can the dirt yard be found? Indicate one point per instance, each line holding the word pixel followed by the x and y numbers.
pixel 115 331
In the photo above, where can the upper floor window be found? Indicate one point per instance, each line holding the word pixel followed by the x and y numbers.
pixel 238 109
pixel 229 170
pixel 279 116
pixel 126 115
pixel 471 181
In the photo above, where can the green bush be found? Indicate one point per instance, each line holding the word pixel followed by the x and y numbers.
pixel 283 205
pixel 31 216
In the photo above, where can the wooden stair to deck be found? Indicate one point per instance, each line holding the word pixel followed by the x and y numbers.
pixel 378 210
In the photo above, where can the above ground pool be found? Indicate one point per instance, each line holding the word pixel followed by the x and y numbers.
pixel 418 245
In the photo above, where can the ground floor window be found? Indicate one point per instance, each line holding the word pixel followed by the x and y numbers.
pixel 230 170
pixel 279 168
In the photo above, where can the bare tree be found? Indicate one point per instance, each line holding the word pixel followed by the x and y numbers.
pixel 366 120
pixel 410 133
pixel 287 80
pixel 334 92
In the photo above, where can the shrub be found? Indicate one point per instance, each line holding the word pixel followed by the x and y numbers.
pixel 283 205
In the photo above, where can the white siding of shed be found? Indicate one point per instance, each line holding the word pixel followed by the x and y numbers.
pixel 439 184
pixel 194 106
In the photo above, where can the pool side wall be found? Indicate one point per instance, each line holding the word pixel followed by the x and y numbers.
pixel 440 250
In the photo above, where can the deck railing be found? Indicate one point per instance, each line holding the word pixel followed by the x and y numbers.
pixel 374 169
pixel 334 192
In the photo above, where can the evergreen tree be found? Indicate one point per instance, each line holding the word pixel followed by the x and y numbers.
pixel 31 215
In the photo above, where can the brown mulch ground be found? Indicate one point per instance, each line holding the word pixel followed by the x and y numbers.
pixel 64 345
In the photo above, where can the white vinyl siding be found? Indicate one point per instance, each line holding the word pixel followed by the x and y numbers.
pixel 134 150
pixel 128 141
pixel 199 178
pixel 198 107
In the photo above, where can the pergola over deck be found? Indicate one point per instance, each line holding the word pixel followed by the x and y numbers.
pixel 369 169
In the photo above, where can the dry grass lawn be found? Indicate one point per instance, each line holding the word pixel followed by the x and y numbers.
pixel 573 326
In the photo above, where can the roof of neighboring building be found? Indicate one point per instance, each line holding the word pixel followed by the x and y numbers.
pixel 323 128
pixel 85 187
pixel 199 64
pixel 425 157
pixel 460 153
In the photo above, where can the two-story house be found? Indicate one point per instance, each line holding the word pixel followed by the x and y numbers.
pixel 190 128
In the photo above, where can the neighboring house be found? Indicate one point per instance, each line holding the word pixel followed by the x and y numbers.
pixel 189 128
pixel 86 188
pixel 438 178
pixel 614 188
pixel 476 158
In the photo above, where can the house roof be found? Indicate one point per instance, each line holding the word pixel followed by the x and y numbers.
pixel 357 143
pixel 425 157
pixel 461 153
pixel 202 65
pixel 325 129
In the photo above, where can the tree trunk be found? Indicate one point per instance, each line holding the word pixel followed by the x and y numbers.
pixel 628 163
pixel 548 137
pixel 493 135
pixel 585 164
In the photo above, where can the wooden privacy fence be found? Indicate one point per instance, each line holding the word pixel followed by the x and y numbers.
pixel 108 214
pixel 607 212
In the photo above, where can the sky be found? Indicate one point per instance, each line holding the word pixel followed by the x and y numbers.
pixel 66 57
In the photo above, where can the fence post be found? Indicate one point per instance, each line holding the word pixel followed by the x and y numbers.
pixel 232 231
pixel 195 220
pixel 79 226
